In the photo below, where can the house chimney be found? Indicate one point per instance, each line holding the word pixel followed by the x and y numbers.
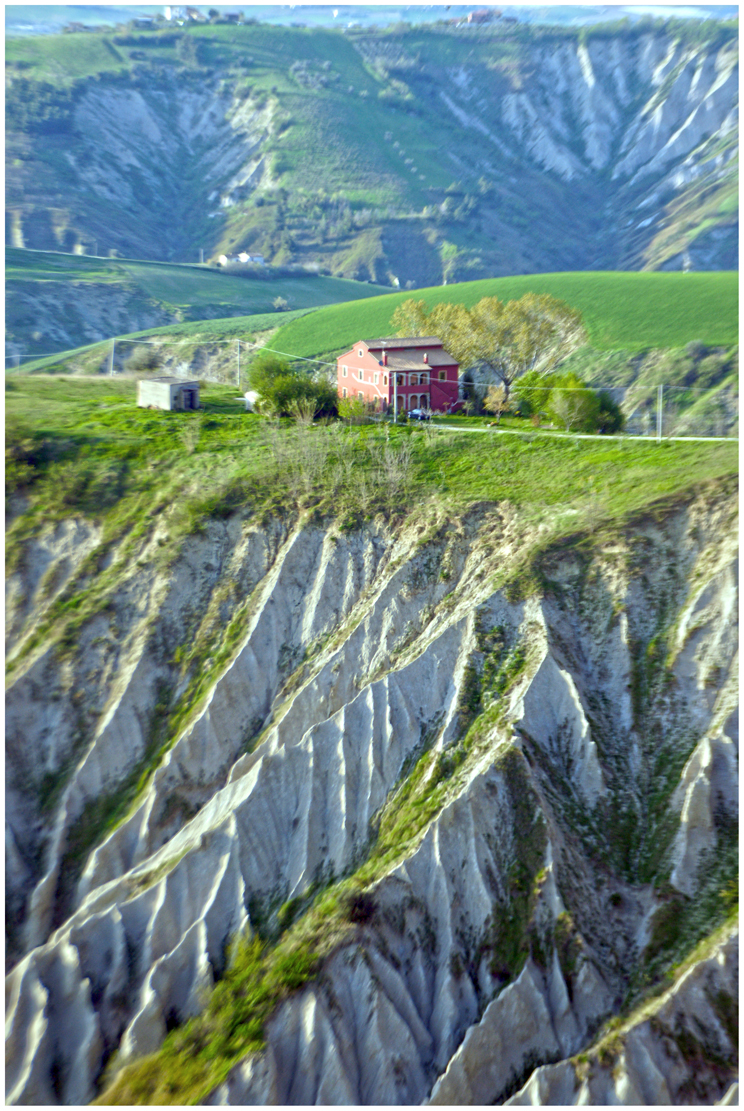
pixel 384 358
pixel 426 356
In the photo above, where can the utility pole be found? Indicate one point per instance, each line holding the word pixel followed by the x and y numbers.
pixel 659 412
pixel 111 362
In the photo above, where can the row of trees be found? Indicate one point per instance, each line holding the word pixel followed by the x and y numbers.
pixel 505 340
pixel 564 399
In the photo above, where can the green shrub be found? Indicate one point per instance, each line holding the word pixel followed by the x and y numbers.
pixel 281 386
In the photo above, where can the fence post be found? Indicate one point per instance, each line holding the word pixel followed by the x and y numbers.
pixel 659 412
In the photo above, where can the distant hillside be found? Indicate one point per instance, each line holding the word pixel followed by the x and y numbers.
pixel 409 156
pixel 55 302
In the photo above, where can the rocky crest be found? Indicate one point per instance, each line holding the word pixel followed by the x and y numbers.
pixel 582 741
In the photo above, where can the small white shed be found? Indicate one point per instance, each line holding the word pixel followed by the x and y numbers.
pixel 167 393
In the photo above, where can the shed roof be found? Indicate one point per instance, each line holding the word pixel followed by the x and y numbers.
pixel 191 383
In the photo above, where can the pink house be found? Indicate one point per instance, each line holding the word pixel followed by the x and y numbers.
pixel 423 373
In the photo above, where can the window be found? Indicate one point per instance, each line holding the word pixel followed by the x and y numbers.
pixel 414 379
pixel 384 380
pixel 424 379
pixel 442 375
pixel 400 378
pixel 361 353
pixel 360 395
pixel 361 375
pixel 377 379
pixel 343 391
pixel 344 371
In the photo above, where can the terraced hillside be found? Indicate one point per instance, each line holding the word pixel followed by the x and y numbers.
pixel 408 156
pixel 353 767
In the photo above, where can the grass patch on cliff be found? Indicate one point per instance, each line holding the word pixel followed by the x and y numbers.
pixel 260 975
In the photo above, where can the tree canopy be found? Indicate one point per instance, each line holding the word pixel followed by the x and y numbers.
pixel 282 386
pixel 509 339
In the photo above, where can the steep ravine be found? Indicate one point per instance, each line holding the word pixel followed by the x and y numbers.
pixel 566 749
pixel 618 152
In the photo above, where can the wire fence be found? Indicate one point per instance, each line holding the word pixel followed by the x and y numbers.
pixel 657 410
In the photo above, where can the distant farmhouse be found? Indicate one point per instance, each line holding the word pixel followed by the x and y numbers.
pixel 178 14
pixel 418 369
pixel 167 393
pixel 484 15
pixel 234 260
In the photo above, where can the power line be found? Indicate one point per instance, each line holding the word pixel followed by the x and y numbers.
pixel 178 343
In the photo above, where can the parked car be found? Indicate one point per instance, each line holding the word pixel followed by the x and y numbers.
pixel 418 414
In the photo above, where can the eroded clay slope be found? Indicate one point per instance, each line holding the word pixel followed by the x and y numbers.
pixel 581 741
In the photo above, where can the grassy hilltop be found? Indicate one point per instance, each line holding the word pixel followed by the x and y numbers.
pixel 624 311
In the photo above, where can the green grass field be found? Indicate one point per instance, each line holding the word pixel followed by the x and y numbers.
pixel 621 310
pixel 185 286
pixel 63 58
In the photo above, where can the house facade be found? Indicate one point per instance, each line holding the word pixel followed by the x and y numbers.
pixel 417 368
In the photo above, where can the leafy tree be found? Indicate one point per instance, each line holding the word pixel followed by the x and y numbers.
pixel 574 404
pixel 145 357
pixel 509 339
pixel 188 51
pixel 532 393
pixel 610 417
pixel 39 107
pixel 353 409
pixel 496 401
pixel 282 386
